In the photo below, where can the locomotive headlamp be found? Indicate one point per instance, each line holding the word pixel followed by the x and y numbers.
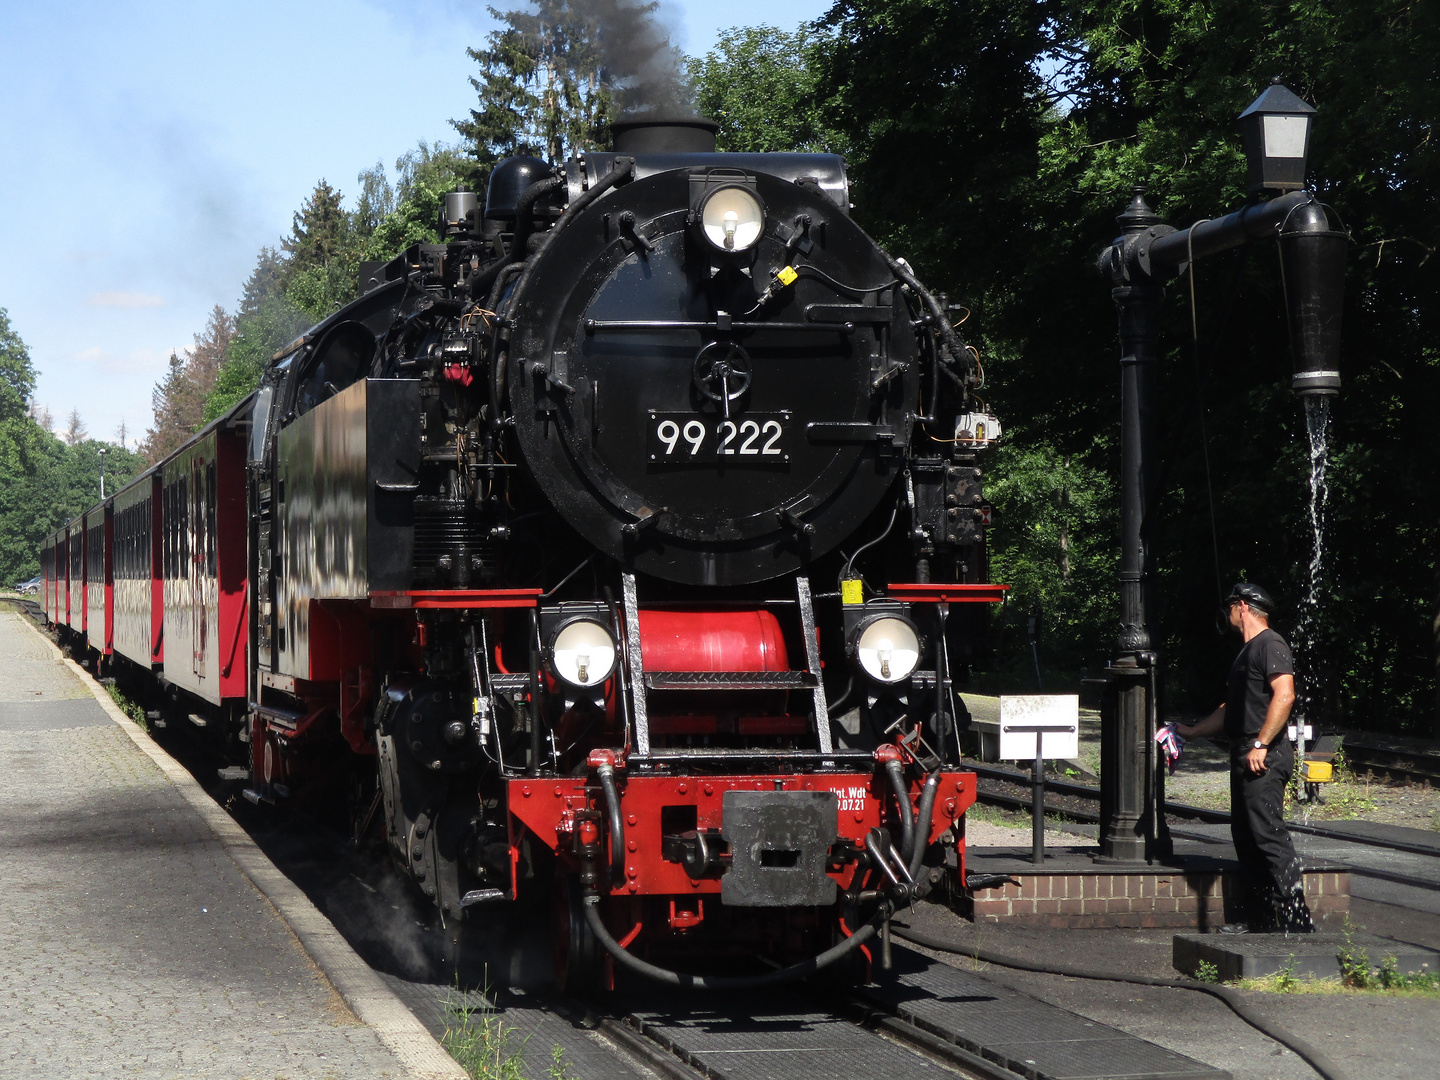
pixel 732 218
pixel 583 652
pixel 887 647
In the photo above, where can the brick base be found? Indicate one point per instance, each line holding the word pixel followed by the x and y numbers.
pixel 1141 898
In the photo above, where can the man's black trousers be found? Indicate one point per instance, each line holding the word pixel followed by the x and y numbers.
pixel 1269 866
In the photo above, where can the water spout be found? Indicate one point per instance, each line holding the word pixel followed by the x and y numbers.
pixel 1309 628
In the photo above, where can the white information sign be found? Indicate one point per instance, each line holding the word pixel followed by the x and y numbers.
pixel 1056 716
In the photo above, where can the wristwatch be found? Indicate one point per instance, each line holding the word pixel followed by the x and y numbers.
pixel 1258 745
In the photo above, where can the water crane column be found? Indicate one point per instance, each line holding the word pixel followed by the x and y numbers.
pixel 1145 254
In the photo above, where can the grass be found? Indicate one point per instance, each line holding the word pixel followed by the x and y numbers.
pixel 1207 972
pixel 1345 800
pixel 129 708
pixel 1387 981
pixel 484 1045
pixel 489 1049
pixel 993 815
pixel 1358 976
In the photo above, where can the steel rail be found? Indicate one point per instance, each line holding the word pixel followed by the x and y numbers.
pixel 1199 813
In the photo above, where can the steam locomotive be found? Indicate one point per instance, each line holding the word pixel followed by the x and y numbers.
pixel 617 556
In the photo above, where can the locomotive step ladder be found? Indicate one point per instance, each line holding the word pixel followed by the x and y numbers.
pixel 642 682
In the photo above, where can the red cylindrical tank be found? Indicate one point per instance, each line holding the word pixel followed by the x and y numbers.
pixel 712 641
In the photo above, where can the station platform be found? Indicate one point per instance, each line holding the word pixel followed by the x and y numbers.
pixel 1197 888
pixel 1362 1034
pixel 143 934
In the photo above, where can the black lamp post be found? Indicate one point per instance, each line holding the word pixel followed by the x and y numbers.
pixel 103 451
pixel 1141 259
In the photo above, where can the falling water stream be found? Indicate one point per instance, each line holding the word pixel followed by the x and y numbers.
pixel 1309 626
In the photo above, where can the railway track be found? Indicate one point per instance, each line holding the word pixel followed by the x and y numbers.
pixel 1393 759
pixel 1010 789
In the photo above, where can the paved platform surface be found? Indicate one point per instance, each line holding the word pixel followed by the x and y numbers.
pixel 133 945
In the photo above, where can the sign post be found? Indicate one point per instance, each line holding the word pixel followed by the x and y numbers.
pixel 1036 727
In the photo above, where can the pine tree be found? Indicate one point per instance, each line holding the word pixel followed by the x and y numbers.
pixel 75 430
pixel 178 400
pixel 318 231
pixel 202 363
pixel 551 81
pixel 264 282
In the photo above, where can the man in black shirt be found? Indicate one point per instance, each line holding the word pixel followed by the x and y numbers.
pixel 1259 694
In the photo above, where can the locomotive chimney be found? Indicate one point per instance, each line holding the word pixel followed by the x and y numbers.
pixel 663 133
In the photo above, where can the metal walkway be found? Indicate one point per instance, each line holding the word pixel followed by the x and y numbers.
pixel 1021 1033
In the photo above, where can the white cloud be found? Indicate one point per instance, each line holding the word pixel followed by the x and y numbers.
pixel 145 362
pixel 124 300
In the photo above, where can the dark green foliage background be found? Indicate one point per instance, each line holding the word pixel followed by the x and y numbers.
pixel 993 142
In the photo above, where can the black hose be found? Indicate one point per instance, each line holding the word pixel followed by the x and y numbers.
pixel 953 345
pixel 1316 1059
pixel 480 284
pixel 686 981
pixel 525 214
pixel 850 562
pixel 622 169
pixel 924 822
pixel 833 706
pixel 617 823
pixel 896 772
pixel 507 271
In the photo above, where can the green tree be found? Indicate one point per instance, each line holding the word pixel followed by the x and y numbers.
pixel 267 320
pixel 17 373
pixel 1055 542
pixel 551 80
pixel 43 482
pixel 760 84
pixel 178 400
pixel 541 87
pixel 412 206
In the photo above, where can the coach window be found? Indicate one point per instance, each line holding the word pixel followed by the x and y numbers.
pixel 210 518
pixel 167 530
pixel 182 499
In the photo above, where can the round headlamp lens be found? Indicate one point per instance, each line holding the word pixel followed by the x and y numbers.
pixel 888 649
pixel 583 652
pixel 732 218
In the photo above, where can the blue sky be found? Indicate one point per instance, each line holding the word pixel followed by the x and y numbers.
pixel 151 149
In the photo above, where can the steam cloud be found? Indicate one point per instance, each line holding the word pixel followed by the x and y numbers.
pixel 636 55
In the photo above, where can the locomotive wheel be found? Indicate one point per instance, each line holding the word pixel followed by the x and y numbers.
pixel 578 958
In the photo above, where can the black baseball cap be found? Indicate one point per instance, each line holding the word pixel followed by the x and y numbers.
pixel 1253 595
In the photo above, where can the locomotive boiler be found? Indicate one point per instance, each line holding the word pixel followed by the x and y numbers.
pixel 617 556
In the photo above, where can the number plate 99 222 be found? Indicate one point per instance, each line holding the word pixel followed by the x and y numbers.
pixel 749 439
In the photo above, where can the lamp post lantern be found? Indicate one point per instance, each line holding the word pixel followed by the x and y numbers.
pixel 1276 128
